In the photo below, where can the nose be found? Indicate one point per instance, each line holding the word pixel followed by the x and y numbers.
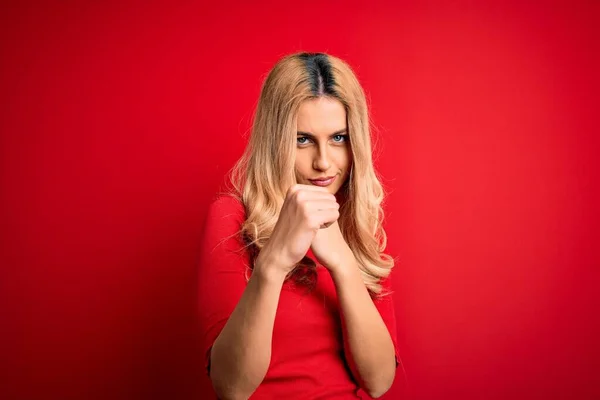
pixel 321 161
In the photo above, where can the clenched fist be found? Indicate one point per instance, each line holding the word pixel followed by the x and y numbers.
pixel 305 210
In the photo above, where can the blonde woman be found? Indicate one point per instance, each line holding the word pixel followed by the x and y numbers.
pixel 294 284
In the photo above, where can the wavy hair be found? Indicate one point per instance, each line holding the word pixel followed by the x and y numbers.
pixel 261 177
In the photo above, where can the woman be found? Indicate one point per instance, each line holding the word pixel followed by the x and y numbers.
pixel 294 287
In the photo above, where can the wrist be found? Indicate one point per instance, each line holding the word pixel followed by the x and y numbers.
pixel 268 268
pixel 346 267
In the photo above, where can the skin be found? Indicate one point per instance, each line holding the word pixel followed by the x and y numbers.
pixel 327 152
pixel 241 353
pixel 367 343
pixel 323 150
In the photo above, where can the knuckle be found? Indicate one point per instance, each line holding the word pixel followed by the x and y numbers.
pixel 291 190
pixel 301 195
pixel 305 207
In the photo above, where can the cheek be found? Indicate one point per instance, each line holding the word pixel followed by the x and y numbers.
pixel 344 159
pixel 300 165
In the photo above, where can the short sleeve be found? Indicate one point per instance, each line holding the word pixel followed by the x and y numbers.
pixel 385 306
pixel 222 269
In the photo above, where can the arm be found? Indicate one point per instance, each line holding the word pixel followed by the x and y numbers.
pixel 241 354
pixel 368 345
pixel 236 316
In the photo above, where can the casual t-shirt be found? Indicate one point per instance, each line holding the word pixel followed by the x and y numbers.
pixel 307 357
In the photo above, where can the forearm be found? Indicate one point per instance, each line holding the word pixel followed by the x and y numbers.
pixel 241 354
pixel 367 342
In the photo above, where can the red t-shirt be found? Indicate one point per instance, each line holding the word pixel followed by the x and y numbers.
pixel 307 357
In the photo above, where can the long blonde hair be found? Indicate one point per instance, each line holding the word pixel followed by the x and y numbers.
pixel 265 171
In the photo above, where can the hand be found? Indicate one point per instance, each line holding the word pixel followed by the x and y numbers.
pixel 330 248
pixel 305 210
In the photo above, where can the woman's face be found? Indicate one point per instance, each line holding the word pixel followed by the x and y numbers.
pixel 322 146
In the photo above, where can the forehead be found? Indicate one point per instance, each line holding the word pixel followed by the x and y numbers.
pixel 321 116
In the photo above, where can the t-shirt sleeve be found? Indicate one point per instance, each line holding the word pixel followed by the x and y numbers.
pixel 222 269
pixel 386 308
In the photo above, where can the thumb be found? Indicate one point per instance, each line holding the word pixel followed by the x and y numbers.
pixel 325 225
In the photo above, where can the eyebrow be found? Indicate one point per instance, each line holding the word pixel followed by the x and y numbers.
pixel 312 136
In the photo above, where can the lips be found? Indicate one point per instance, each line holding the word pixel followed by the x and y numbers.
pixel 323 181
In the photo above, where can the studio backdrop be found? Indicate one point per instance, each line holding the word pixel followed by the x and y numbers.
pixel 119 121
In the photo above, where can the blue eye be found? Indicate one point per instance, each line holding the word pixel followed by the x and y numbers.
pixel 301 140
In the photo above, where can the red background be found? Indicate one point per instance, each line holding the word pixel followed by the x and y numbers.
pixel 119 120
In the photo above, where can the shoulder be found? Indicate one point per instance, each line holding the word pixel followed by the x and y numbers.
pixel 226 206
pixel 224 218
